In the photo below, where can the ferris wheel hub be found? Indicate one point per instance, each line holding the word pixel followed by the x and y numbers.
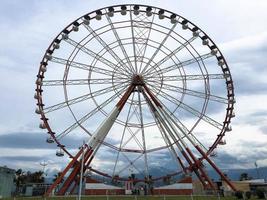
pixel 138 80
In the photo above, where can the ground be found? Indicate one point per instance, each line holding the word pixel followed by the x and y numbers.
pixel 128 198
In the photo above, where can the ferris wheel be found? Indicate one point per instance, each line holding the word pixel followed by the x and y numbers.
pixel 135 88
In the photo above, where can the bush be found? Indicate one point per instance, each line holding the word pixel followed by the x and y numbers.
pixel 248 194
pixel 239 194
pixel 260 193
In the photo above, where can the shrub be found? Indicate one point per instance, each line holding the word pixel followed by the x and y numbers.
pixel 239 194
pixel 248 194
pixel 260 193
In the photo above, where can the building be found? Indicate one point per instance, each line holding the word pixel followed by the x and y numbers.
pixel 6 181
pixel 182 187
pixel 245 186
pixel 94 187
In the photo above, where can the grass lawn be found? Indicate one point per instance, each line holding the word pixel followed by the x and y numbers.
pixel 128 198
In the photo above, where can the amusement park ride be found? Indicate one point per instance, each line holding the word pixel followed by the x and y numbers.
pixel 136 82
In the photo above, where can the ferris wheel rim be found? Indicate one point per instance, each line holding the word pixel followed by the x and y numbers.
pixel 230 90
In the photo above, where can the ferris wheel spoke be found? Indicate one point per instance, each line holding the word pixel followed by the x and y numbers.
pixel 80 99
pixel 106 46
pixel 191 110
pixel 143 133
pixel 181 126
pixel 164 124
pixel 158 49
pixel 133 40
pixel 120 43
pixel 133 136
pixel 189 77
pixel 141 27
pixel 181 64
pixel 131 163
pixel 166 139
pixel 82 66
pixel 123 135
pixel 94 55
pixel 82 81
pixel 191 92
pixel 171 149
pixel 88 115
pixel 169 56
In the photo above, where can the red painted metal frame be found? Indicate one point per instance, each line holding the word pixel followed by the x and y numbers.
pixel 88 157
pixel 203 177
pixel 60 178
pixel 225 69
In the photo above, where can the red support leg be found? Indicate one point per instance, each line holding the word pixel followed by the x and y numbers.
pixel 181 163
pixel 193 168
pixel 74 173
pixel 60 178
pixel 203 173
pixel 216 168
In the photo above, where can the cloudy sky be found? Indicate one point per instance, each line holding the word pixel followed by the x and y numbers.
pixel 238 27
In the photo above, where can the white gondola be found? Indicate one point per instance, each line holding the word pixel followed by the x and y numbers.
pixel 232 100
pixel 229 87
pixel 65 36
pixel 38 81
pixel 185 26
pixel 213 154
pixel 136 10
pixel 123 10
pixel 221 62
pixel 110 12
pixel 214 51
pixel 226 75
pixel 43 68
pixel 161 14
pixel 56 46
pixel 98 15
pixel 36 96
pixel 229 128
pixel 195 33
pixel 222 142
pixel 205 42
pixel 48 56
pixel 233 114
pixel 75 28
pixel 37 111
pixel 42 125
pixel 86 21
pixel 148 11
pixel 59 153
pixel 50 140
pixel 173 19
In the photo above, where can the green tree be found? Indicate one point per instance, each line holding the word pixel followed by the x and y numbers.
pixel 57 176
pixel 20 179
pixel 244 176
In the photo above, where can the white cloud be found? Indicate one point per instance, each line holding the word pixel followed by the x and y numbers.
pixel 27 29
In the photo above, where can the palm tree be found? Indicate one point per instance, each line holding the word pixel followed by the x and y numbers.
pixel 56 176
pixel 20 178
pixel 37 177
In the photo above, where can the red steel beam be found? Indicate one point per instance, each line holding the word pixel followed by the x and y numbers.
pixel 216 168
pixel 203 173
pixel 74 173
pixel 60 178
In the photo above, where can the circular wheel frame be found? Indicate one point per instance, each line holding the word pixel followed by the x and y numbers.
pixel 115 44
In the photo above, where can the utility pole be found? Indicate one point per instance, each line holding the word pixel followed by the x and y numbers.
pixel 256 165
pixel 44 164
pixel 81 173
